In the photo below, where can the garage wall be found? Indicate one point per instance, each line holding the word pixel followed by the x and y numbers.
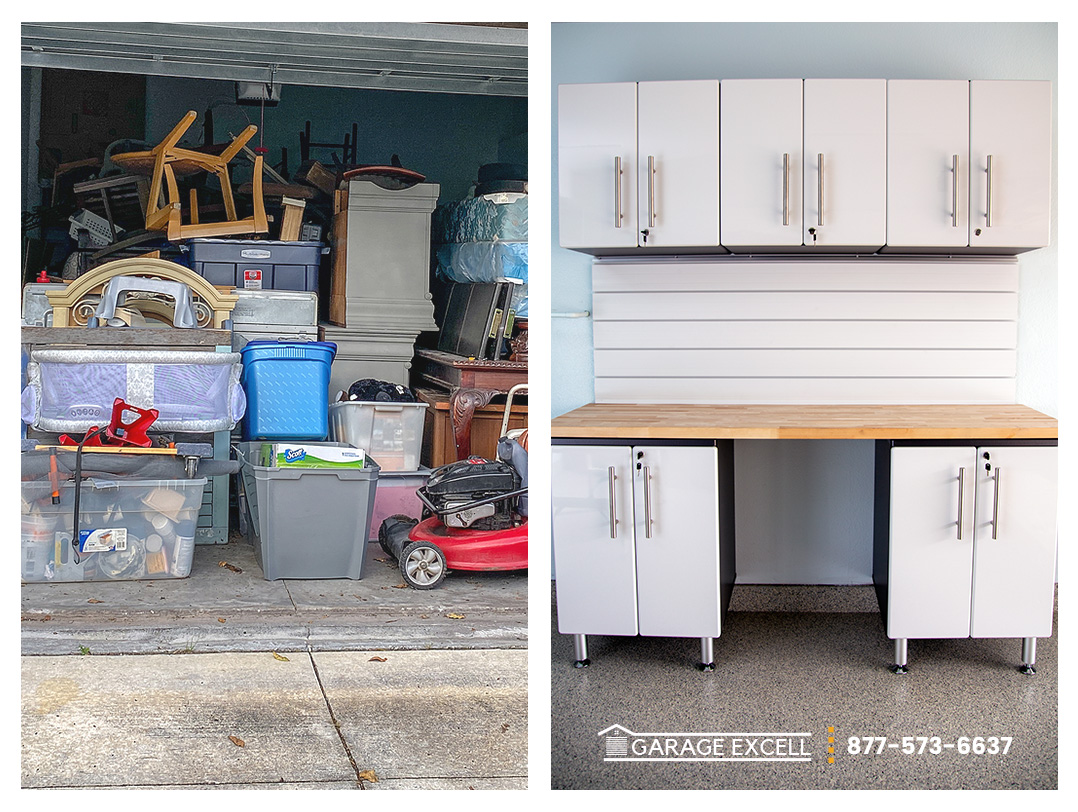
pixel 447 137
pixel 773 539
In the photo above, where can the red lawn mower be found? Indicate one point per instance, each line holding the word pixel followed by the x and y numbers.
pixel 478 516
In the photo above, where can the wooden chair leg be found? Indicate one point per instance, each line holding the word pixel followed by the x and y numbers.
pixel 226 193
pixel 153 199
pixel 193 198
pixel 261 223
pixel 170 183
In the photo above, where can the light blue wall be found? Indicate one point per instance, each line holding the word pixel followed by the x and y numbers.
pixel 447 137
pixel 822 527
pixel 620 52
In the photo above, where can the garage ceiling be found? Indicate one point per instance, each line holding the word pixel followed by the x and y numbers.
pixel 430 57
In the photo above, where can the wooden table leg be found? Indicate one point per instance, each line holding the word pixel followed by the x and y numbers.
pixel 462 406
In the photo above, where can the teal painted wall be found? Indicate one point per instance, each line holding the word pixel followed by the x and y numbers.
pixel 447 137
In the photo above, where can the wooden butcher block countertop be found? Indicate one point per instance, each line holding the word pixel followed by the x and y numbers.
pixel 815 422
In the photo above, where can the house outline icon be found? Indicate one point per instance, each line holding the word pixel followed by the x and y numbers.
pixel 619 728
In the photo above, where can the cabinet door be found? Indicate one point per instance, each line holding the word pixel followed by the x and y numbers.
pixel 761 163
pixel 1011 129
pixel 596 137
pixel 931 553
pixel 845 166
pixel 592 523
pixel 1014 571
pixel 927 163
pixel 675 493
pixel 678 163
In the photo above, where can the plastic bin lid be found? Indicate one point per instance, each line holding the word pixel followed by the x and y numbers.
pixel 262 345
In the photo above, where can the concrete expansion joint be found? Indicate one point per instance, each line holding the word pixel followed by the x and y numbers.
pixel 333 719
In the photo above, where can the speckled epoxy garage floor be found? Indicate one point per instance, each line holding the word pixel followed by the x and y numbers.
pixel 805 671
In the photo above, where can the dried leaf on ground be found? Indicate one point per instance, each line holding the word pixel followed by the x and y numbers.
pixel 236 740
pixel 454 615
pixel 400 586
pixel 226 565
pixel 280 657
pixel 94 600
pixel 377 660
pixel 369 775
pixel 220 620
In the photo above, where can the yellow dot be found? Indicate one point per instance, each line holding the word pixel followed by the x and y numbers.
pixel 830 730
pixel 830 749
pixel 830 759
pixel 830 739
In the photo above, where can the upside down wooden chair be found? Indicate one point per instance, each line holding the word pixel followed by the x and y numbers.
pixel 165 162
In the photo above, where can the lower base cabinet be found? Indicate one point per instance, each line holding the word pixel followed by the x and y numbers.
pixel 966 542
pixel 643 540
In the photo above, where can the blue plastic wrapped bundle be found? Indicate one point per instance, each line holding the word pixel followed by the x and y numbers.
pixel 481 220
pixel 483 261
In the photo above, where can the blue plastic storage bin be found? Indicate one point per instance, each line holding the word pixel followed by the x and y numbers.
pixel 287 386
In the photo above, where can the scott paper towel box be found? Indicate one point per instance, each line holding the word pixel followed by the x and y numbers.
pixel 312 455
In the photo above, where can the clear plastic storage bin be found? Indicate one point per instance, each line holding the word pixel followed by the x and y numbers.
pixel 392 433
pixel 131 529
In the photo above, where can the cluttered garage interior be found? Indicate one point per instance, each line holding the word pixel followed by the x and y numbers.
pixel 274 302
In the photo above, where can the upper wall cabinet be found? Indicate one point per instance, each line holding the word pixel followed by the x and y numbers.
pixel 813 165
pixel 845 175
pixel 1010 140
pixel 969 164
pixel 927 164
pixel 761 162
pixel 638 166
pixel 804 163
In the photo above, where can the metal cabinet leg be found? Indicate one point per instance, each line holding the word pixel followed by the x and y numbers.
pixel 580 647
pixel 900 656
pixel 707 654
pixel 1029 655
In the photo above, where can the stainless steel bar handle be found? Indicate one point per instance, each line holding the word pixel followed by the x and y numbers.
pixel 651 191
pixel 954 191
pixel 988 210
pixel 617 191
pixel 961 493
pixel 786 188
pixel 995 507
pixel 819 196
pixel 613 504
pixel 647 502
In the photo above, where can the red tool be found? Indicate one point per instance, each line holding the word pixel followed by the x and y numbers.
pixel 117 432
pixel 54 478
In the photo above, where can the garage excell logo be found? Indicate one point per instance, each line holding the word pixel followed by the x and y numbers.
pixel 622 744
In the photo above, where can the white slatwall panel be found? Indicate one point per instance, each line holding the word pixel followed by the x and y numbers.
pixel 841 330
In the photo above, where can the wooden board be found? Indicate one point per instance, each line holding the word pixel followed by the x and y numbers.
pixel 805 422
pixel 338 277
pixel 147 338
